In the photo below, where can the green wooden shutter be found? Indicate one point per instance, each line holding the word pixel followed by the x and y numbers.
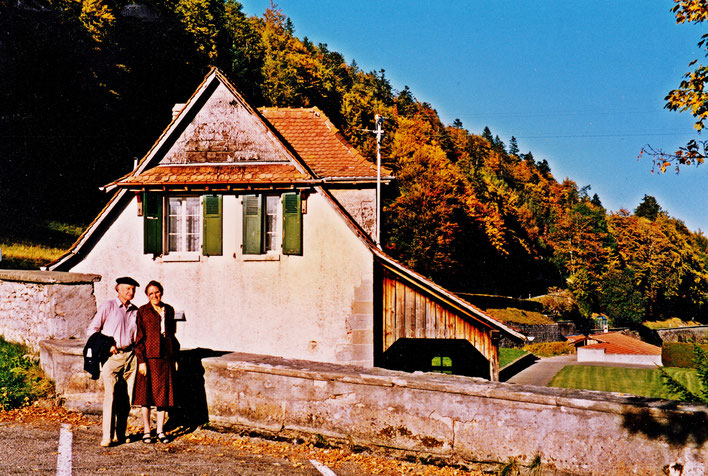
pixel 212 239
pixel 252 224
pixel 152 223
pixel 292 224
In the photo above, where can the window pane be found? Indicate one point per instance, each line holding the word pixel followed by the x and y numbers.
pixel 184 230
pixel 193 206
pixel 175 223
pixel 174 243
pixel 271 222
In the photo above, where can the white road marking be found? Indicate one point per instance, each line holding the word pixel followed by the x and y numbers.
pixel 322 468
pixel 64 457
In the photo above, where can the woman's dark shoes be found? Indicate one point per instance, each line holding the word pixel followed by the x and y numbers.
pixel 147 438
pixel 163 438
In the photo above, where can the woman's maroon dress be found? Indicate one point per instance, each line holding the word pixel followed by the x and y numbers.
pixel 159 351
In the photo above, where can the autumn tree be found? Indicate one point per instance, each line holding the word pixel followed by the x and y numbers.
pixel 691 96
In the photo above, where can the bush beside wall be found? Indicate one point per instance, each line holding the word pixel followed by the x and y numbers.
pixel 679 354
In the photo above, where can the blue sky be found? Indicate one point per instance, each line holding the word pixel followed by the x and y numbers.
pixel 578 83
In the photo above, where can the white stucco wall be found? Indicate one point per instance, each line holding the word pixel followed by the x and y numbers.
pixel 599 355
pixel 361 205
pixel 318 306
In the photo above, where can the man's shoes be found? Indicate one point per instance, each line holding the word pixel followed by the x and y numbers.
pixel 105 443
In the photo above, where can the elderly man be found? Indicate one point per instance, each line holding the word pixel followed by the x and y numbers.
pixel 116 318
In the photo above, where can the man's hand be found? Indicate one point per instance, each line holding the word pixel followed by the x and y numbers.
pixel 114 349
pixel 143 369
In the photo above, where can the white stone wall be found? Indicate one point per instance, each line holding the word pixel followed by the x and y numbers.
pixel 599 355
pixel 318 306
pixel 32 311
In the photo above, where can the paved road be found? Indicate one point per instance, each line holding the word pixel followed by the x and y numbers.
pixel 33 448
pixel 55 448
pixel 542 372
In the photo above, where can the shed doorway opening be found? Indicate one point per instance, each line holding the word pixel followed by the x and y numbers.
pixel 448 356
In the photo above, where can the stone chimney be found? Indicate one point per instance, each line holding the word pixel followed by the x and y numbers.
pixel 177 108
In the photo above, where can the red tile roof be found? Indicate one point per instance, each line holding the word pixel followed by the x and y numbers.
pixel 231 174
pixel 617 343
pixel 320 144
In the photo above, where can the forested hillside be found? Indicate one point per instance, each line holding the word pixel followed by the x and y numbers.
pixel 86 86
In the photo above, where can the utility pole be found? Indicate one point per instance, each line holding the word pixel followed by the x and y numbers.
pixel 379 134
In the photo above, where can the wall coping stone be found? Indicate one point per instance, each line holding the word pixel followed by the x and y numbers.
pixel 614 403
pixel 606 402
pixel 47 277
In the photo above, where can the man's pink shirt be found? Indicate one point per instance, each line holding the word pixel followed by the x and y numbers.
pixel 115 320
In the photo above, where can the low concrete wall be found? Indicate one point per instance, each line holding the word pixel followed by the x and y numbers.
pixel 37 305
pixel 573 431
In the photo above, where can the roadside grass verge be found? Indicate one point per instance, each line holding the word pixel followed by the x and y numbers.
pixel 30 246
pixel 550 349
pixel 22 380
pixel 508 355
pixel 641 382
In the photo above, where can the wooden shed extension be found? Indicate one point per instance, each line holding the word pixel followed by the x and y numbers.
pixel 412 307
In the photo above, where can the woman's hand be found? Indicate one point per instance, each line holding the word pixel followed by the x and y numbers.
pixel 143 369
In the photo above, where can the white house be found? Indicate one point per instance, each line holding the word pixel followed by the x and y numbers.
pixel 616 347
pixel 258 224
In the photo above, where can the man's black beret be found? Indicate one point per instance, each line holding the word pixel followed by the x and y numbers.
pixel 127 280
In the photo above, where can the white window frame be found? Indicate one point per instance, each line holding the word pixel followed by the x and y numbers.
pixel 193 255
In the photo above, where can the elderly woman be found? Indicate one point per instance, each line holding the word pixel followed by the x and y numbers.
pixel 156 349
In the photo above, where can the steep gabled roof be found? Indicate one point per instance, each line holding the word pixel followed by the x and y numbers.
pixel 617 343
pixel 320 144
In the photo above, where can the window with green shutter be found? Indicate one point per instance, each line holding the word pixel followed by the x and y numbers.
pixel 152 223
pixel 212 224
pixel 292 224
pixel 252 224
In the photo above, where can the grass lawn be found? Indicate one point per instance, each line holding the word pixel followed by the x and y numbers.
pixel 643 382
pixel 506 355
pixel 29 246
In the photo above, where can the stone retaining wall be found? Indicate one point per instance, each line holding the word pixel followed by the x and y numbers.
pixel 445 416
pixel 37 305
pixel 683 334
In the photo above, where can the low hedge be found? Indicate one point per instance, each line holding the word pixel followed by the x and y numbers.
pixel 679 354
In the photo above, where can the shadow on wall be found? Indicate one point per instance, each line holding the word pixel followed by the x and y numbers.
pixel 677 429
pixel 192 410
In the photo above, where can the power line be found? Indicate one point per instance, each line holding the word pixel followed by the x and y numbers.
pixel 589 136
pixel 553 114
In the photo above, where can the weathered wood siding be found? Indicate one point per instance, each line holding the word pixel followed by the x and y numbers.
pixel 411 312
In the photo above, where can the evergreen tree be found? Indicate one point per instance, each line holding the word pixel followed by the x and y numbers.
pixel 487 134
pixel 648 208
pixel 513 146
pixel 544 168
